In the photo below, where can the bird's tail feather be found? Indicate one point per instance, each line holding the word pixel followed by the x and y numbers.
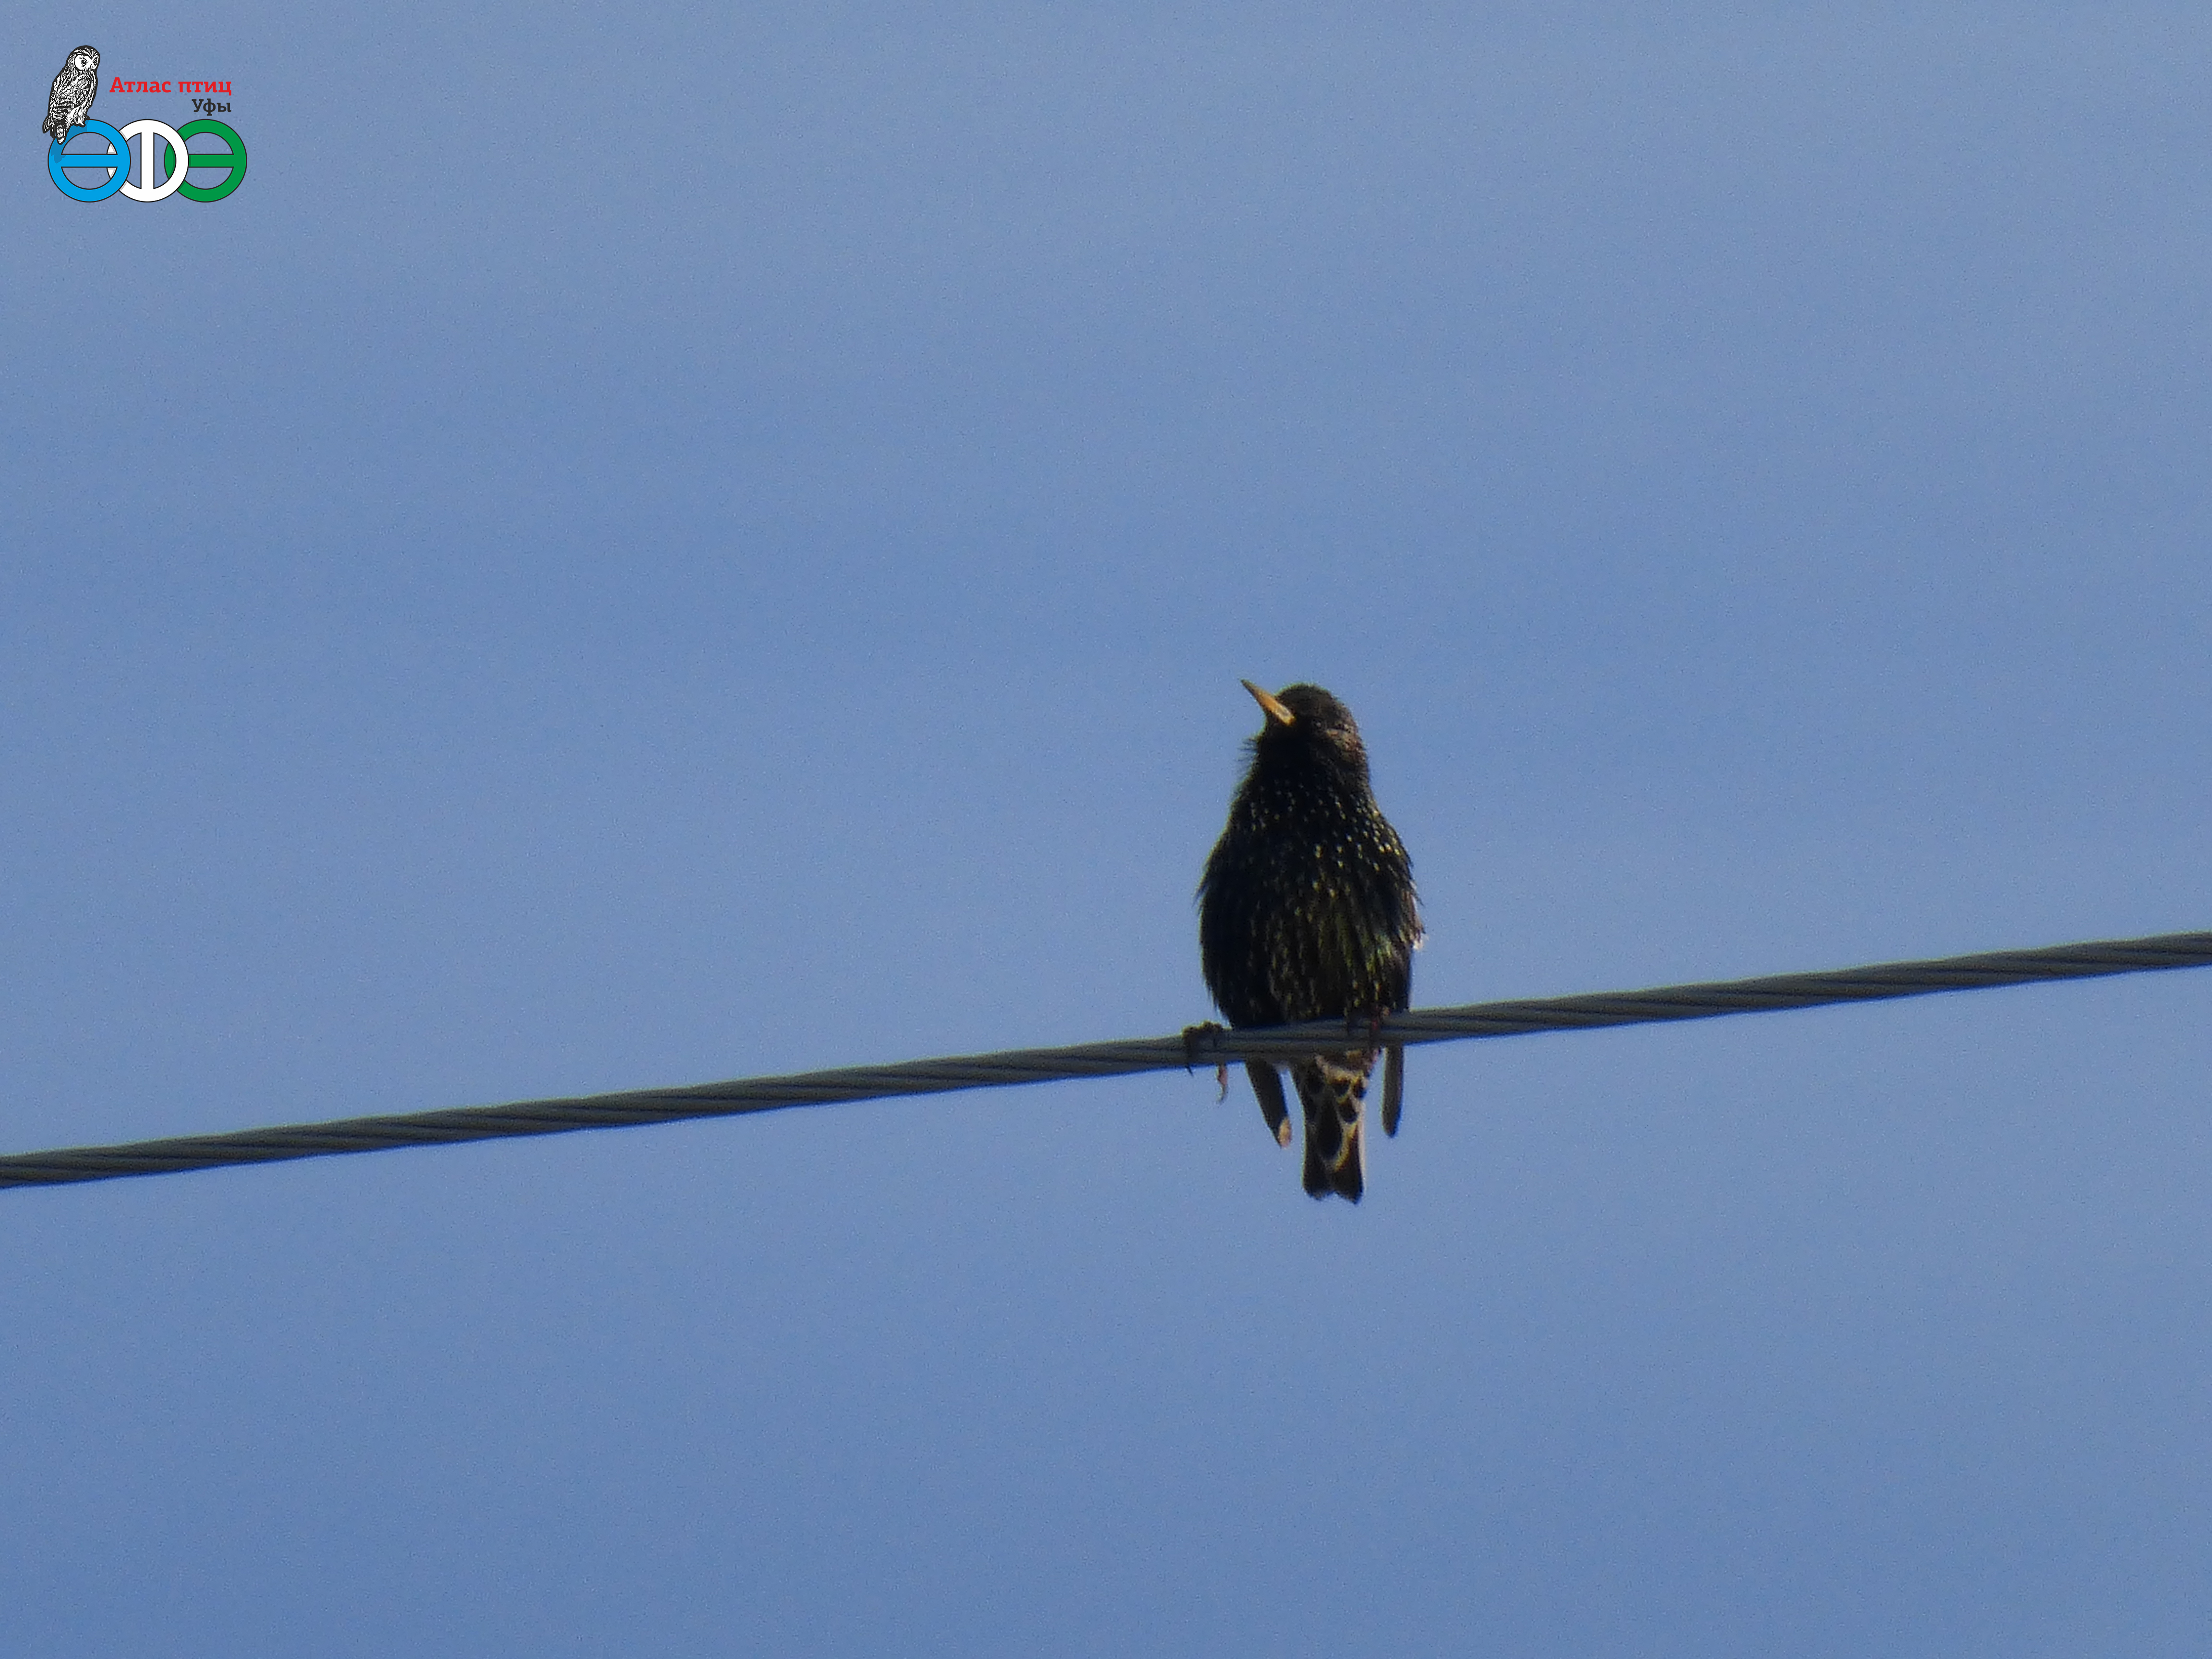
pixel 1331 1088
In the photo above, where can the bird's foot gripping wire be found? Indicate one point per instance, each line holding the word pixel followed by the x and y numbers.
pixel 1196 1038
pixel 1394 1063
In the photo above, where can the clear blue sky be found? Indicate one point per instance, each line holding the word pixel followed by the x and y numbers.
pixel 663 542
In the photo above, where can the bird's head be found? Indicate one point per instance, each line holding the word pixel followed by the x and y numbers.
pixel 84 57
pixel 1305 722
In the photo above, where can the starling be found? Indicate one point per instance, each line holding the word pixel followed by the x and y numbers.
pixel 1306 911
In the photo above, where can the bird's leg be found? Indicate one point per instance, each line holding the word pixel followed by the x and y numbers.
pixel 1372 1020
pixel 1196 1038
pixel 1394 1063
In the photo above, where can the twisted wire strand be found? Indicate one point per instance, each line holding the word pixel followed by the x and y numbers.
pixel 1204 1046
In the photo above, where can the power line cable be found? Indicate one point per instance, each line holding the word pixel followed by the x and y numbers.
pixel 1204 1046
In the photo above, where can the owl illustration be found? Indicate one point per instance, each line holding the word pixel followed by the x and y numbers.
pixel 70 101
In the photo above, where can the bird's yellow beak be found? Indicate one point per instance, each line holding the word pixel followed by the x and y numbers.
pixel 1271 703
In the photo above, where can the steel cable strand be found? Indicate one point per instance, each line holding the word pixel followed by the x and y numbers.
pixel 1202 1046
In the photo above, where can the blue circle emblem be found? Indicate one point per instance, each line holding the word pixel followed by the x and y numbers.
pixel 118 164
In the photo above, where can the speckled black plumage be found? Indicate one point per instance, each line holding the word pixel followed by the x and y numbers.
pixel 1307 911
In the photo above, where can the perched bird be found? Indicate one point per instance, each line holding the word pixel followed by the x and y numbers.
pixel 69 104
pixel 1307 911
